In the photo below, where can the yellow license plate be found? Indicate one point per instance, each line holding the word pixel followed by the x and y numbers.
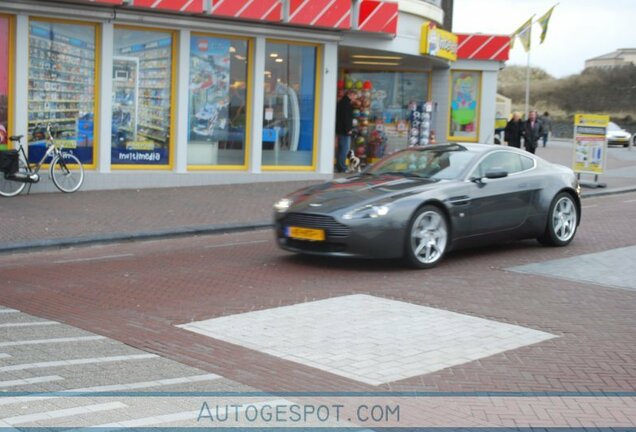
pixel 306 233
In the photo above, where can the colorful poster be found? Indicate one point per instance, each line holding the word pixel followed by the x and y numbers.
pixel 209 88
pixel 464 109
pixel 4 81
pixel 590 143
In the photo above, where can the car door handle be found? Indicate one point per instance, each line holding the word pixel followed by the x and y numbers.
pixel 457 201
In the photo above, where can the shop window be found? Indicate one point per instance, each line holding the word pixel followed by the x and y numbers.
pixel 218 97
pixel 142 97
pixel 5 64
pixel 464 106
pixel 383 108
pixel 62 60
pixel 290 99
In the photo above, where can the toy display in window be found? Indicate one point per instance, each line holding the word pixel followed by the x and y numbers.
pixel 209 87
pixel 368 139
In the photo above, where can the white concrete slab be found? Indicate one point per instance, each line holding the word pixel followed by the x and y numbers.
pixel 614 268
pixel 368 339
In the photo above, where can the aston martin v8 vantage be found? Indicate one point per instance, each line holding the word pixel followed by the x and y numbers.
pixel 420 203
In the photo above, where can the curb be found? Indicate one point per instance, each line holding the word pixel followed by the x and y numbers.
pixel 605 192
pixel 33 245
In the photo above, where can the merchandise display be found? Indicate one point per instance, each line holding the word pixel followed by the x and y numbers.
pixel 386 106
pixel 142 92
pixel 369 139
pixel 125 91
pixel 420 119
pixel 62 87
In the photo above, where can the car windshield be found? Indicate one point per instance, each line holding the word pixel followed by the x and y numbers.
pixel 613 127
pixel 436 163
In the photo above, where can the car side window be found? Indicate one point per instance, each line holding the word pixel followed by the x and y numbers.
pixel 501 160
pixel 526 163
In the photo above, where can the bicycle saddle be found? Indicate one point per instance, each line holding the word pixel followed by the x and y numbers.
pixel 16 138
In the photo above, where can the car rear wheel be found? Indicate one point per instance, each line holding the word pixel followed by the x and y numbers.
pixel 562 221
pixel 427 237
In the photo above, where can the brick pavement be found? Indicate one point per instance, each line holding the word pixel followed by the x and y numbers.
pixel 144 290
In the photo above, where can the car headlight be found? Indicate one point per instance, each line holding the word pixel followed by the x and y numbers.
pixel 368 211
pixel 283 204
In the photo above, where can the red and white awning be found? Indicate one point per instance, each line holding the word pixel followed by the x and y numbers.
pixel 483 47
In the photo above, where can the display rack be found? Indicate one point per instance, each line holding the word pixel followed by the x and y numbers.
pixel 154 94
pixel 125 99
pixel 61 82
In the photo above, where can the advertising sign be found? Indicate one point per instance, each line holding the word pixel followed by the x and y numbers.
pixel 464 105
pixel 590 143
pixel 437 42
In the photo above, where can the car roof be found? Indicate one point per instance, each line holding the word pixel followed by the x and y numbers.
pixel 472 147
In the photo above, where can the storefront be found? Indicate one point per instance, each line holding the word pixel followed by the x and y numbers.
pixel 170 93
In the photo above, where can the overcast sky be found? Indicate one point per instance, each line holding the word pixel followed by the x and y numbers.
pixel 578 30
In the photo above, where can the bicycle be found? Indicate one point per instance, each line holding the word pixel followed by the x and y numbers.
pixel 65 169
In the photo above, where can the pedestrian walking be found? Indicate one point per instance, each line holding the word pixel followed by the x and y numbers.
pixel 547 127
pixel 532 131
pixel 344 128
pixel 514 130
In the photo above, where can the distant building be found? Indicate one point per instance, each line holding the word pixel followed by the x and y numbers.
pixel 620 57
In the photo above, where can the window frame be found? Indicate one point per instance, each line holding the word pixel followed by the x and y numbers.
pixel 172 144
pixel 249 114
pixel 97 28
pixel 317 103
pixel 471 172
pixel 450 137
pixel 10 75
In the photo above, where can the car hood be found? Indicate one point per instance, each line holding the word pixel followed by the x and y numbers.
pixel 618 134
pixel 343 193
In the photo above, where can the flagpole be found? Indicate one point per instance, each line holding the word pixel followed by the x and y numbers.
pixel 528 85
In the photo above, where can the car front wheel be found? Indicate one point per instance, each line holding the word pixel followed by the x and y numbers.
pixel 562 222
pixel 427 237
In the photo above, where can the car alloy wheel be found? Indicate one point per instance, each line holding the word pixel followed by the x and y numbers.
pixel 427 237
pixel 562 222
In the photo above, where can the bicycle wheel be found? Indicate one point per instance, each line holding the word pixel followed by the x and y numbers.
pixel 67 172
pixel 9 188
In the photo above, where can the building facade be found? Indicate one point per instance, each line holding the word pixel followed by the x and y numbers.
pixel 620 57
pixel 154 93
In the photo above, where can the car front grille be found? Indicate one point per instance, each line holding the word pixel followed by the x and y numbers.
pixel 318 247
pixel 333 228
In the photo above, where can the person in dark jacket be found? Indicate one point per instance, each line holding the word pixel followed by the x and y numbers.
pixel 514 130
pixel 547 127
pixel 532 132
pixel 344 128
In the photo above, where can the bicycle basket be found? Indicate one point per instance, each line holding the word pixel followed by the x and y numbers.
pixel 9 161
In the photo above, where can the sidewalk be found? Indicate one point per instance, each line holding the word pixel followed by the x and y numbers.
pixel 56 219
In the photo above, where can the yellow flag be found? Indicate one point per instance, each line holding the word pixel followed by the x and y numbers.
pixel 524 33
pixel 543 22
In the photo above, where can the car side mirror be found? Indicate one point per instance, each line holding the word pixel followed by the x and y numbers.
pixel 496 173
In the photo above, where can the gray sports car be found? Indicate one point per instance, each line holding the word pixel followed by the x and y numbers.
pixel 419 203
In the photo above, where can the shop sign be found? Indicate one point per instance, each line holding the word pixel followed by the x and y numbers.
pixel 590 143
pixel 437 42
